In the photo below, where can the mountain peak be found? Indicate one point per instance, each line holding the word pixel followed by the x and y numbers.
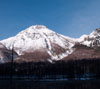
pixel 96 32
pixel 34 29
pixel 38 27
pixel 40 38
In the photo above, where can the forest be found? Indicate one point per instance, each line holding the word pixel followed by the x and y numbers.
pixel 72 69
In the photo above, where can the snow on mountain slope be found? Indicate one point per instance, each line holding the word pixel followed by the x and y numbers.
pixel 82 38
pixel 2 46
pixel 5 54
pixel 86 47
pixel 39 37
pixel 92 40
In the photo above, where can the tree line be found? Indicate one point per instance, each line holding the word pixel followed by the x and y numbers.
pixel 71 69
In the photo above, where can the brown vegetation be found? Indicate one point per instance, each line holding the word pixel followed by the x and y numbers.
pixel 35 56
pixel 83 52
pixel 57 49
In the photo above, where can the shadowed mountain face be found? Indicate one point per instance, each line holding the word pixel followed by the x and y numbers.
pixel 6 55
pixel 38 43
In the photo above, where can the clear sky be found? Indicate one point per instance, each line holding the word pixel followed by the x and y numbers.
pixel 68 17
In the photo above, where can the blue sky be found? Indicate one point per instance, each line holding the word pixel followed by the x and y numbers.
pixel 68 17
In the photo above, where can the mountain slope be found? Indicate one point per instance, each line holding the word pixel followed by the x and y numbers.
pixel 86 47
pixel 83 52
pixel 40 38
pixel 38 43
pixel 6 55
pixel 92 40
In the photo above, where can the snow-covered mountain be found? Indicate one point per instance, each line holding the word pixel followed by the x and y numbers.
pixel 39 40
pixel 38 43
pixel 92 40
pixel 86 47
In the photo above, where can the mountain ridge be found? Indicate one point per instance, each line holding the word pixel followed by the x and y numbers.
pixel 40 37
pixel 49 45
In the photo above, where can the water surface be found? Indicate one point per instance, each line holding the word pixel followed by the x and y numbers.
pixel 72 84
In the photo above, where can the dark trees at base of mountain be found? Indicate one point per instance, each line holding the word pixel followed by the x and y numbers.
pixel 70 69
